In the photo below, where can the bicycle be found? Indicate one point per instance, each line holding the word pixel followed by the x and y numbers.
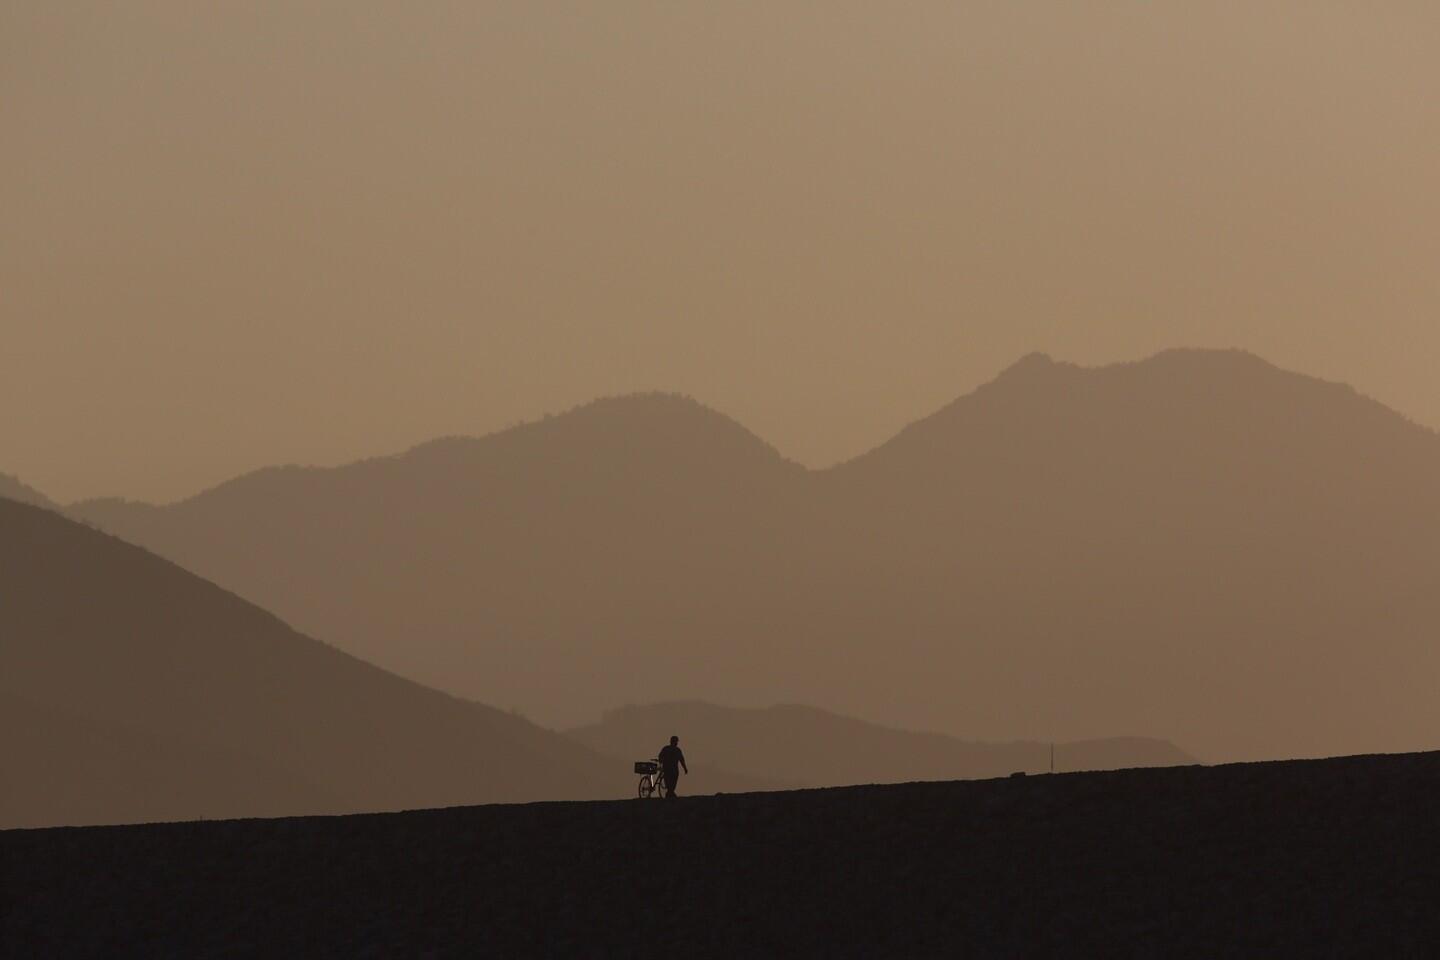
pixel 650 782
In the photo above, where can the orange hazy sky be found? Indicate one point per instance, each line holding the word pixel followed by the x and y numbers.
pixel 242 233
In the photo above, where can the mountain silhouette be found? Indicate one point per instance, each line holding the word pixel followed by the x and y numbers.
pixel 816 748
pixel 11 488
pixel 510 563
pixel 133 690
pixel 1199 547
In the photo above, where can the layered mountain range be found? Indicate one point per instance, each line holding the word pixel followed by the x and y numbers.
pixel 1199 547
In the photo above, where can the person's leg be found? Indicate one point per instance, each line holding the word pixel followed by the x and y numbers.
pixel 670 781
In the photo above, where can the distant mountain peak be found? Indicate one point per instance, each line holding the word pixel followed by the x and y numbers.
pixel 1207 354
pixel 1207 361
pixel 655 420
pixel 1037 367
pixel 655 403
pixel 1034 360
pixel 1038 395
pixel 1203 360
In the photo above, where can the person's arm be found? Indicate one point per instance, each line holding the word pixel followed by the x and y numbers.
pixel 682 762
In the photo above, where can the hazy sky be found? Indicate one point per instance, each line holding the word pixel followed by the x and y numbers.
pixel 236 234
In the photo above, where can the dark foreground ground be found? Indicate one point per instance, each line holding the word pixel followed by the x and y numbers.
pixel 1319 858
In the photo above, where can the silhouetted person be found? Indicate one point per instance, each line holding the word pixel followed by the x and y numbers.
pixel 671 760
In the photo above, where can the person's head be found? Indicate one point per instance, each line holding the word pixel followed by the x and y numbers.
pixel 674 741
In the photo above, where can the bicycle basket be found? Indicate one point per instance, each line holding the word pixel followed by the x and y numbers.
pixel 646 766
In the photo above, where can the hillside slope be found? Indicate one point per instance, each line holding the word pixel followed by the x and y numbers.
pixel 133 689
pixel 816 748
pixel 1319 858
pixel 1198 547
pixel 62 768
pixel 13 488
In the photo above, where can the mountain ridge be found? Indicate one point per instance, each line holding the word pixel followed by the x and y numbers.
pixel 1023 370
pixel 592 414
pixel 1063 553
pixel 13 488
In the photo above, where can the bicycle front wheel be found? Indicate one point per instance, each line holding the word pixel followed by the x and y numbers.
pixel 647 787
